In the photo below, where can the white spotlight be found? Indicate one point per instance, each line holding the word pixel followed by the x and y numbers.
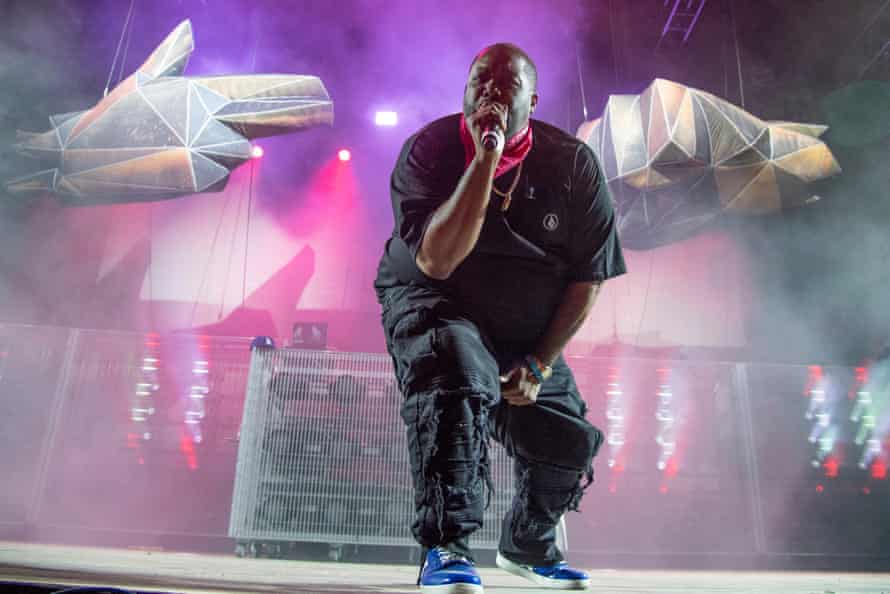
pixel 386 118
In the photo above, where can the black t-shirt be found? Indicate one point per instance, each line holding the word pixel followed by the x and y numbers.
pixel 560 228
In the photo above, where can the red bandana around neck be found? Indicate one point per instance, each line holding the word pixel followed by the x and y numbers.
pixel 515 150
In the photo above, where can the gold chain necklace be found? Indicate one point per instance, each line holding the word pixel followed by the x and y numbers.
pixel 508 195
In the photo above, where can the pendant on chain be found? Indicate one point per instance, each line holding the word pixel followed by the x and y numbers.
pixel 508 195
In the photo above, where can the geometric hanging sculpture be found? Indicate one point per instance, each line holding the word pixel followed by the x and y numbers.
pixel 160 135
pixel 676 157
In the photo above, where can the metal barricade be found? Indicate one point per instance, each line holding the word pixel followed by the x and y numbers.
pixel 323 458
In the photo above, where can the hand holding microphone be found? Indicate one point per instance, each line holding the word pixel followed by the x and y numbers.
pixel 490 120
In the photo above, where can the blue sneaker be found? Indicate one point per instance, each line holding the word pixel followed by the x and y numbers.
pixel 445 572
pixel 559 576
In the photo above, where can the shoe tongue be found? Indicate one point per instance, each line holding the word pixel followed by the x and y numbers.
pixel 448 556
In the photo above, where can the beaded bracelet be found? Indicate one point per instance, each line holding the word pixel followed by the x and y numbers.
pixel 540 374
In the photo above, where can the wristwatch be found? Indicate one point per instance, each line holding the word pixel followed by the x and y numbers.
pixel 539 370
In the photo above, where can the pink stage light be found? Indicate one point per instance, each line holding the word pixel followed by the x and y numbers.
pixel 344 155
pixel 257 151
pixel 386 118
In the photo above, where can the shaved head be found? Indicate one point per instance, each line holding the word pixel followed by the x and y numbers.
pixel 508 48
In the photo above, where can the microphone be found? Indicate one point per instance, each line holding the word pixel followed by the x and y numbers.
pixel 491 137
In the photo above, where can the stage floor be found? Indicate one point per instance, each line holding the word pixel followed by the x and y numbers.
pixel 192 573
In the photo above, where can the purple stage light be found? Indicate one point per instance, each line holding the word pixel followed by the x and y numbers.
pixel 257 151
pixel 344 155
pixel 386 118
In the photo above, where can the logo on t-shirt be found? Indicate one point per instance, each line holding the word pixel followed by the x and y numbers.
pixel 551 222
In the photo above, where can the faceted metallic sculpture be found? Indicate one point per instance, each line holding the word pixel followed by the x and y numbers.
pixel 160 135
pixel 676 157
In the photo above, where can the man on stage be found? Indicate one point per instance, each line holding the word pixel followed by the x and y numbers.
pixel 504 233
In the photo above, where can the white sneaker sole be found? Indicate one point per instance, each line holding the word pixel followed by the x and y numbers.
pixel 521 571
pixel 452 589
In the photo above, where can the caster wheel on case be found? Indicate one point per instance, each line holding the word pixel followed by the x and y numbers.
pixel 335 552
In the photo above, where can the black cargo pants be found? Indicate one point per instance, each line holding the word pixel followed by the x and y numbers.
pixel 449 377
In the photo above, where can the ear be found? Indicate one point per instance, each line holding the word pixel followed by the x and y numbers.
pixel 534 103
